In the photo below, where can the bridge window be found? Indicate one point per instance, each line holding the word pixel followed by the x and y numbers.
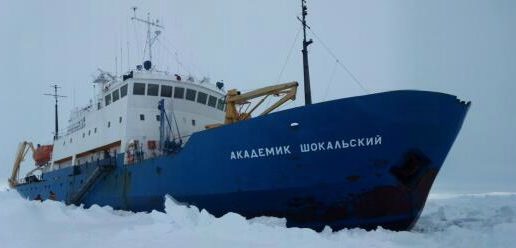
pixel 220 104
pixel 190 95
pixel 142 117
pixel 116 95
pixel 166 91
pixel 139 89
pixel 179 92
pixel 123 91
pixel 108 99
pixel 158 118
pixel 202 97
pixel 109 124
pixel 212 102
pixel 193 122
pixel 120 119
pixel 152 89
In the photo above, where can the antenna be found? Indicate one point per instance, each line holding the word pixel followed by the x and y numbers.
pixel 306 70
pixel 56 97
pixel 150 24
pixel 128 58
pixel 121 58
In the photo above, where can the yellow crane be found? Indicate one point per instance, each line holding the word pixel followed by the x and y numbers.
pixel 235 98
pixel 23 148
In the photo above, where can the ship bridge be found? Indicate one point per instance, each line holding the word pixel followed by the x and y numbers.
pixel 125 114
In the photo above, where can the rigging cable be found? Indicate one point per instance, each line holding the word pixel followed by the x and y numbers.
pixel 353 77
pixel 138 47
pixel 287 59
pixel 176 57
pixel 193 66
pixel 284 106
pixel 289 54
pixel 331 79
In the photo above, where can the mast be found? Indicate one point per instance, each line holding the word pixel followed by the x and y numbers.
pixel 306 70
pixel 150 24
pixel 56 97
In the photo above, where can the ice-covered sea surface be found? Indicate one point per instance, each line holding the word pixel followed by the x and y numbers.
pixel 481 220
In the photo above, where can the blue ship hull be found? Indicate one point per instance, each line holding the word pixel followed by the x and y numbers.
pixel 364 162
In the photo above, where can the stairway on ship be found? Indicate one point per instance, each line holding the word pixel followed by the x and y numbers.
pixel 104 167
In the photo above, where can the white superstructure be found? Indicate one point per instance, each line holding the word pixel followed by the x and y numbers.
pixel 126 112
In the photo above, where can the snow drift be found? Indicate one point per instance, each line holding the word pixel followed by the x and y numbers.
pixel 483 220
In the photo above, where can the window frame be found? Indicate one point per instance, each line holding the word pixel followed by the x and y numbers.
pixel 107 99
pixel 138 93
pixel 182 90
pixel 199 93
pixel 210 97
pixel 123 91
pixel 194 94
pixel 155 87
pixel 163 87
pixel 115 93
pixel 220 104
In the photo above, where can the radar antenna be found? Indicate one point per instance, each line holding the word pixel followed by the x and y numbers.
pixel 150 24
pixel 56 97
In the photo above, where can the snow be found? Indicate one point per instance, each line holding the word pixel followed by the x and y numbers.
pixel 449 220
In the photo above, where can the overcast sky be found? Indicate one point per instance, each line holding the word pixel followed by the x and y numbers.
pixel 462 47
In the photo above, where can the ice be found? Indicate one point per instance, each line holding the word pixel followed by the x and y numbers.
pixel 449 220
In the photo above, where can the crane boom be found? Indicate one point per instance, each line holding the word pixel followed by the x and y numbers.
pixel 235 98
pixel 23 148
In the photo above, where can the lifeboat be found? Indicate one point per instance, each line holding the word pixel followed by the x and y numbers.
pixel 43 154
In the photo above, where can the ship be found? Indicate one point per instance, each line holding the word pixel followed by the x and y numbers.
pixel 359 162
